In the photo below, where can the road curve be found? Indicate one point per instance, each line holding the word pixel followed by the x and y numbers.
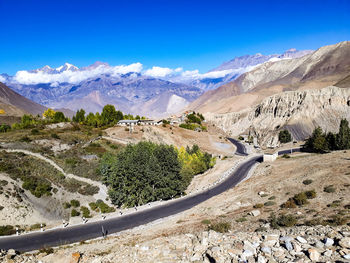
pixel 240 147
pixel 62 236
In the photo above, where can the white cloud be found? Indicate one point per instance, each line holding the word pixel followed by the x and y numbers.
pixel 161 72
pixel 2 79
pixel 74 77
pixel 25 77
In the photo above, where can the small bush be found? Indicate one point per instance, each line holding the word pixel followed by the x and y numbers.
pixel 88 189
pixel 85 211
pixel 206 222
pixel 286 156
pixel 7 230
pixel 47 251
pixel 258 205
pixel 329 189
pixel 261 229
pixel 240 138
pixel 221 227
pixel 36 226
pixel 269 203
pixel 25 139
pixel 104 208
pixel 54 136
pixel 347 206
pixel 34 131
pixel 338 220
pixel 66 205
pixel 93 206
pixel 307 181
pixel 75 203
pixel 289 204
pixel 75 213
pixel 272 197
pixel 300 199
pixel 287 220
pixel 315 222
pixel 241 219
pixel 310 194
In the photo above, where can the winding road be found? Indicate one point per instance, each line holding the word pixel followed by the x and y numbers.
pixel 240 147
pixel 62 236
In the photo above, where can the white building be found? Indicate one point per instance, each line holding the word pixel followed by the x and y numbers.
pixel 270 156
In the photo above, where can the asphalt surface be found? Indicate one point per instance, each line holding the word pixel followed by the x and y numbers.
pixel 240 148
pixel 62 236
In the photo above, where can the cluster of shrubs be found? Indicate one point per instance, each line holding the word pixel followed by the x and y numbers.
pixel 7 230
pixel 282 220
pixel 194 122
pixel 299 199
pixel 37 186
pixel 5 128
pixel 221 227
pixel 334 220
pixel 101 206
pixel 75 203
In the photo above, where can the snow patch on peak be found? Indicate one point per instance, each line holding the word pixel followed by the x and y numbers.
pixel 176 103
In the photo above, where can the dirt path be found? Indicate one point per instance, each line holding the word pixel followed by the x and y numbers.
pixel 102 194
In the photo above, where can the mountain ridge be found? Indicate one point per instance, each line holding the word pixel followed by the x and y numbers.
pixel 324 67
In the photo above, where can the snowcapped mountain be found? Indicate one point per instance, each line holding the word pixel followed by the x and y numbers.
pixel 99 84
pixel 67 67
pixel 154 92
pixel 232 69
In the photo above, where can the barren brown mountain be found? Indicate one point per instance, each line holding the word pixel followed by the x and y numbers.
pixel 326 66
pixel 16 105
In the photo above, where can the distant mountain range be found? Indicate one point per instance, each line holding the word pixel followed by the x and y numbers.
pixel 155 92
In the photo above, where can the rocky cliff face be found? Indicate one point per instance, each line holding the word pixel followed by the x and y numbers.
pixel 298 111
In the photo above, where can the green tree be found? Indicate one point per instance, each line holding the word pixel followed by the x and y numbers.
pixel 142 173
pixel 59 117
pixel 331 141
pixel 343 136
pixel 317 142
pixel 109 115
pixel 79 116
pixel 284 136
pixel 27 121
pixel 91 120
pixel 192 118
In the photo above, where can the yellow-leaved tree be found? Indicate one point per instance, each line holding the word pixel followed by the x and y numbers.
pixel 49 114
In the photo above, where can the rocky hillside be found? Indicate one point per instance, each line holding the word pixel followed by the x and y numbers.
pixel 326 66
pixel 299 111
pixel 299 244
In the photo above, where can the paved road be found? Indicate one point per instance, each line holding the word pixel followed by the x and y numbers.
pixel 241 149
pixel 91 230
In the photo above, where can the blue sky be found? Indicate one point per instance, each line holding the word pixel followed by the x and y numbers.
pixel 189 34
